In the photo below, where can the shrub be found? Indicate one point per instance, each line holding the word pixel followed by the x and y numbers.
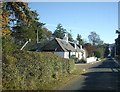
pixel 31 70
pixel 7 45
pixel 74 58
pixel 82 61
pixel 97 54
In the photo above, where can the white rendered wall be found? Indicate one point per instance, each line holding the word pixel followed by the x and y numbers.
pixel 91 59
pixel 80 55
pixel 66 54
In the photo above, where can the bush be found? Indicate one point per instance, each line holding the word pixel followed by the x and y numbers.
pixel 74 58
pixel 82 61
pixel 97 54
pixel 8 46
pixel 31 70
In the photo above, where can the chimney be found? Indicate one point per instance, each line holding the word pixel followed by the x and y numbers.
pixel 80 46
pixel 66 37
pixel 75 44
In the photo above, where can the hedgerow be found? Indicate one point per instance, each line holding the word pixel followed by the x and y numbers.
pixel 27 70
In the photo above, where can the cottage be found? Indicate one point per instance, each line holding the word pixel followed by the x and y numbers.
pixel 64 48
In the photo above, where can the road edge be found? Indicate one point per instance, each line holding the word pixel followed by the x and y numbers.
pixel 116 61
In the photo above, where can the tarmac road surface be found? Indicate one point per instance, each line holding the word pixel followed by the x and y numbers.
pixel 101 76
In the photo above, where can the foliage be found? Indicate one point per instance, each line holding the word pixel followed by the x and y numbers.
pixel 79 39
pixel 21 23
pixel 70 37
pixel 46 34
pixel 94 38
pixel 97 54
pixel 82 61
pixel 32 70
pixel 99 51
pixel 60 31
pixel 74 58
pixel 90 49
pixel 21 35
pixel 17 9
pixel 8 45
pixel 95 50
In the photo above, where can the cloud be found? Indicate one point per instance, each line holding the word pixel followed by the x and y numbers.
pixel 50 25
pixel 66 27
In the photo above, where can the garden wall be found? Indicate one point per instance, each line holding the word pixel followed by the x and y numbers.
pixel 91 59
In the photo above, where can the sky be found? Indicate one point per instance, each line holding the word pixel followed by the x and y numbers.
pixel 80 17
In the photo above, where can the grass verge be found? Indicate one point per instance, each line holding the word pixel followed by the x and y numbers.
pixel 64 80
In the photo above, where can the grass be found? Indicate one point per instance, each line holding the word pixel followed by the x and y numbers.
pixel 65 79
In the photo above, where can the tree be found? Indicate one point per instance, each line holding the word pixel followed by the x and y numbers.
pixel 90 49
pixel 46 33
pixel 94 38
pixel 70 38
pixel 97 54
pixel 60 31
pixel 20 23
pixel 29 31
pixel 14 12
pixel 79 39
pixel 4 19
pixel 99 51
pixel 18 14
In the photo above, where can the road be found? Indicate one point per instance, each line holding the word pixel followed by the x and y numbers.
pixel 103 75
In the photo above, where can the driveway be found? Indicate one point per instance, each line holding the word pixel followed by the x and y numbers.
pixel 103 75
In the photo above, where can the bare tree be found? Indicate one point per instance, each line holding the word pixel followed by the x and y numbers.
pixel 94 38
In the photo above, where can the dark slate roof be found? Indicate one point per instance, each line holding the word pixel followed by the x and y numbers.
pixel 30 46
pixel 59 45
pixel 52 45
pixel 66 46
pixel 78 47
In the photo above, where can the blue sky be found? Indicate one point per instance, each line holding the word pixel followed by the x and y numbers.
pixel 82 18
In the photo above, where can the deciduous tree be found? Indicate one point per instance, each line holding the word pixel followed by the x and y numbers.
pixel 90 49
pixel 94 38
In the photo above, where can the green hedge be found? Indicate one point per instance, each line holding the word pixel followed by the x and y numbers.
pixel 31 70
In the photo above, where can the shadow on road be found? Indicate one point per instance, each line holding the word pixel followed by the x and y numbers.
pixel 105 76
pixel 107 64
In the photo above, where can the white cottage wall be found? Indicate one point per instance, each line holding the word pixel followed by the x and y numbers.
pixel 66 54
pixel 80 55
pixel 72 53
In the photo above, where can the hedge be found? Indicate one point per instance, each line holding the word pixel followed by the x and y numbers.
pixel 25 70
